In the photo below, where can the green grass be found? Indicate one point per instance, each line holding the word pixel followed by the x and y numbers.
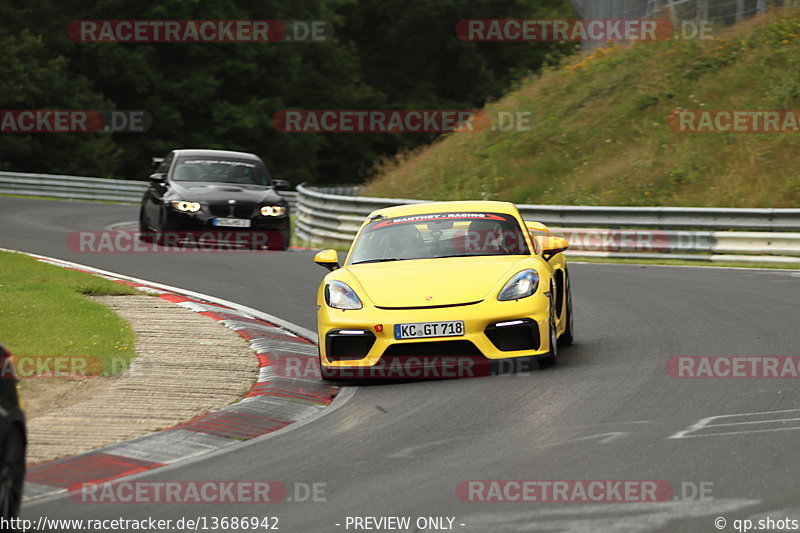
pixel 601 135
pixel 45 312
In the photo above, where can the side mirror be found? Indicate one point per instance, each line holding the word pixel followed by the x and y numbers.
pixel 537 228
pixel 159 177
pixel 328 259
pixel 553 245
pixel 156 161
pixel 281 185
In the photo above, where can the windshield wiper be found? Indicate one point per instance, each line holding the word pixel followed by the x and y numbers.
pixel 383 260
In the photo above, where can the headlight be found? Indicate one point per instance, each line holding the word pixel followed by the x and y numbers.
pixel 190 207
pixel 273 210
pixel 522 285
pixel 340 296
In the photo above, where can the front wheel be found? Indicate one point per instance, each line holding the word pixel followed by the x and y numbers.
pixel 568 336
pixel 326 374
pixel 286 237
pixel 552 356
pixel 145 235
pixel 158 235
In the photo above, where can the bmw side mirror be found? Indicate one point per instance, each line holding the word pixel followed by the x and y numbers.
pixel 159 177
pixel 328 259
pixel 281 185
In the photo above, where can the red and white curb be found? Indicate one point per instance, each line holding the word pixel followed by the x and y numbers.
pixel 274 402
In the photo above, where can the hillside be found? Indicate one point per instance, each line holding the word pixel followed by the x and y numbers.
pixel 601 134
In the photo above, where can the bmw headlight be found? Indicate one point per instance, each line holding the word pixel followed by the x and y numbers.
pixel 340 296
pixel 186 207
pixel 273 210
pixel 522 285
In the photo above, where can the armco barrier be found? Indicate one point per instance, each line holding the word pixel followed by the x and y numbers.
pixel 333 216
pixel 81 188
pixel 71 187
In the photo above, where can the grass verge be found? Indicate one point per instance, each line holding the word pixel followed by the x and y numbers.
pixel 46 314
pixel 604 129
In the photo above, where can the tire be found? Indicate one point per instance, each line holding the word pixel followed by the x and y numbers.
pixel 568 337
pixel 551 357
pixel 145 235
pixel 331 379
pixel 287 239
pixel 158 235
pixel 286 236
pixel 12 472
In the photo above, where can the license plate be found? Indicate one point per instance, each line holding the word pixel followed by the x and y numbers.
pixel 232 222
pixel 424 330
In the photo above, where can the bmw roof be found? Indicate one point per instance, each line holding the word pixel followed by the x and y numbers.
pixel 193 152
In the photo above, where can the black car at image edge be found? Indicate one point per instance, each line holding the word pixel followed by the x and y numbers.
pixel 215 191
pixel 13 439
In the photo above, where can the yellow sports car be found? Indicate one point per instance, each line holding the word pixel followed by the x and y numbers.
pixel 434 290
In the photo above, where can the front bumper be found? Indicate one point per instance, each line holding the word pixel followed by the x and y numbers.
pixel 482 339
pixel 273 232
pixel 203 221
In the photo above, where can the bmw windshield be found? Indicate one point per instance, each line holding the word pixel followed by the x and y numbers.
pixel 439 235
pixel 220 171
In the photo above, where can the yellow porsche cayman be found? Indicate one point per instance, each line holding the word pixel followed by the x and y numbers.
pixel 446 284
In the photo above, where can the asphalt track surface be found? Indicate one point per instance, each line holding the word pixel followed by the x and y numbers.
pixel 605 412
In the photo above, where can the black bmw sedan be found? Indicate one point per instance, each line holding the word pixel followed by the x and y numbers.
pixel 215 191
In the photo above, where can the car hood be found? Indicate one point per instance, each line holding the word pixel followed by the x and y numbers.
pixel 197 191
pixel 434 282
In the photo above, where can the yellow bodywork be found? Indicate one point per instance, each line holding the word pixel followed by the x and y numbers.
pixel 409 291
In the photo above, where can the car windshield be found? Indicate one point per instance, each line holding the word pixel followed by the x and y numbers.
pixel 220 171
pixel 438 235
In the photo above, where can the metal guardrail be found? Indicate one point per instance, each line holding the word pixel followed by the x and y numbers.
pixel 324 216
pixel 71 187
pixel 83 188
